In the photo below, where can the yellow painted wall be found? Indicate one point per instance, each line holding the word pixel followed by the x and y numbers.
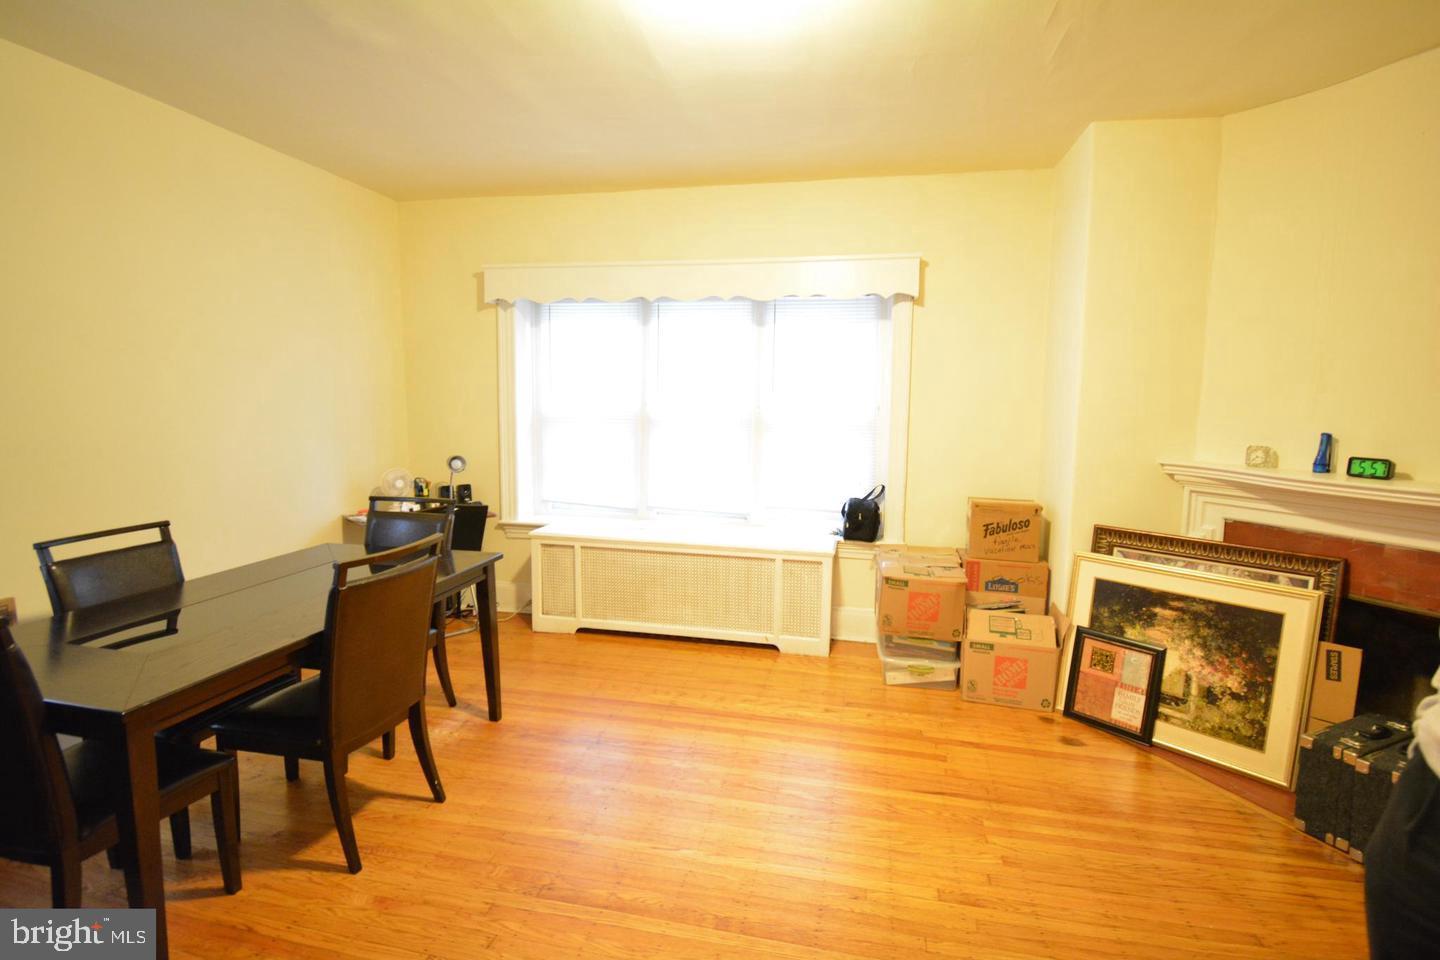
pixel 1325 301
pixel 1132 269
pixel 195 328
pixel 1070 257
pixel 977 354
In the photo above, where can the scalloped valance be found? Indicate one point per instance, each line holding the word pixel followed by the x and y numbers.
pixel 841 278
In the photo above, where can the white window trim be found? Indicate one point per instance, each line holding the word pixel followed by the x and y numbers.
pixel 672 276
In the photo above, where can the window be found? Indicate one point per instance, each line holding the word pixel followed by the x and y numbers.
pixel 763 411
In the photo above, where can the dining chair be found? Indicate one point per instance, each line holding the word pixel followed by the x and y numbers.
pixel 55 806
pixel 469 535
pixel 388 529
pixel 85 581
pixel 372 676
pixel 79 583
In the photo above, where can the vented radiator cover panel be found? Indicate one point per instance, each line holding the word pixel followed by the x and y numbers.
pixel 761 594
pixel 680 589
pixel 557 572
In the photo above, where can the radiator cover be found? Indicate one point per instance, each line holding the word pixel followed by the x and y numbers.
pixel 727 584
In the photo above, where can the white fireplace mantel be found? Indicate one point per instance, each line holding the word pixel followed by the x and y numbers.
pixel 1401 512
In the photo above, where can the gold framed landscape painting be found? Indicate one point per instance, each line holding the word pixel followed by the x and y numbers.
pixel 1239 655
pixel 1325 574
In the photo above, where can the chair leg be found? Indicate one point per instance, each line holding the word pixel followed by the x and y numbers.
pixel 180 834
pixel 225 811
pixel 112 857
pixel 340 808
pixel 442 669
pixel 421 735
pixel 292 769
pixel 65 877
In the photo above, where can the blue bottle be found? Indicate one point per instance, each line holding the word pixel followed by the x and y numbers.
pixel 1322 456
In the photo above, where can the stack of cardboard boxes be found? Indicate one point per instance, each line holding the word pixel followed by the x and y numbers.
pixel 977 620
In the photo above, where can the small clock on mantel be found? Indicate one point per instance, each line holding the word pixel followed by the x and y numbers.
pixel 1370 468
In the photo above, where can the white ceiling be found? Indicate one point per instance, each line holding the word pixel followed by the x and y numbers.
pixel 443 98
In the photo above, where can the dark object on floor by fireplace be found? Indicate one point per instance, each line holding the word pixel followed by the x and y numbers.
pixel 1375 779
pixel 1324 785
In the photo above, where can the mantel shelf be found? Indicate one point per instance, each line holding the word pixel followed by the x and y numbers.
pixel 1333 487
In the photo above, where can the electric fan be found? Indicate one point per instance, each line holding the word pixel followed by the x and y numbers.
pixel 394 483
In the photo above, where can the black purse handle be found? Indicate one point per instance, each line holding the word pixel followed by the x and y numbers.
pixel 877 493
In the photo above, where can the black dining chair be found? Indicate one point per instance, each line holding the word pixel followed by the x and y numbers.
pixel 96 578
pixel 469 535
pixel 388 529
pixel 372 677
pixel 54 803
pixel 89 580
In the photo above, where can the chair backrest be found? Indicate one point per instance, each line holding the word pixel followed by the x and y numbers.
pixel 388 529
pixel 37 814
pixel 469 526
pixel 375 638
pixel 96 578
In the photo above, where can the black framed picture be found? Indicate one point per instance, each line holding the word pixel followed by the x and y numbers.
pixel 1115 684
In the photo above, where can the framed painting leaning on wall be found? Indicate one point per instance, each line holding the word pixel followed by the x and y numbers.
pixel 1238 662
pixel 1325 574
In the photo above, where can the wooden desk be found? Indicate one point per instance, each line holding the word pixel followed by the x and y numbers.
pixel 124 671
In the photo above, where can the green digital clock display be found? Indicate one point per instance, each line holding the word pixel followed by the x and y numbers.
pixel 1372 468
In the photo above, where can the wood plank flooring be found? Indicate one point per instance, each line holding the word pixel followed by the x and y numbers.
pixel 661 798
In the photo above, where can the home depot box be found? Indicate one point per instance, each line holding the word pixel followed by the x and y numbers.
pixel 1010 658
pixel 1332 693
pixel 919 596
pixel 1007 585
pixel 1005 530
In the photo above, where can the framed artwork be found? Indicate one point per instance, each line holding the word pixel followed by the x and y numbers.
pixel 1239 655
pixel 1115 684
pixel 1303 570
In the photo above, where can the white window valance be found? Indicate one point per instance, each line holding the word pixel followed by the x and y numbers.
pixel 841 278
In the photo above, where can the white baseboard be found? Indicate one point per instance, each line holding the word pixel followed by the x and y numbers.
pixel 853 623
pixel 511 595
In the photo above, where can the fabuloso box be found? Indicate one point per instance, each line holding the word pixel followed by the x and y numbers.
pixel 1011 659
pixel 920 597
pixel 1005 530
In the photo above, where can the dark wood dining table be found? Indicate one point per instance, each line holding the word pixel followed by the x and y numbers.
pixel 124 671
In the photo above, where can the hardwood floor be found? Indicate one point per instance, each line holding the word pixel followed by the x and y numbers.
pixel 671 799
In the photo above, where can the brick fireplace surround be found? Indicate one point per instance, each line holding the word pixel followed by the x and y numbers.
pixel 1404 577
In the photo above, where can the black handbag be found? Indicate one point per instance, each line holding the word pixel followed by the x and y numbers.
pixel 861 516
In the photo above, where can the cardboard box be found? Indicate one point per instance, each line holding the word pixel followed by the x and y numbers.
pixel 1332 695
pixel 1011 659
pixel 920 596
pixel 1004 602
pixel 926 674
pixel 1007 576
pixel 919 648
pixel 990 583
pixel 1005 530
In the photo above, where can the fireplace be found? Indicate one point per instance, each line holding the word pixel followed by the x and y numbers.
pixel 1387 531
pixel 1390 610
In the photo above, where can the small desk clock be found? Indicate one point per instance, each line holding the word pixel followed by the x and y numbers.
pixel 1372 468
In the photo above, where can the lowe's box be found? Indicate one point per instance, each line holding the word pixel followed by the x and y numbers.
pixel 920 596
pixel 1011 659
pixel 1007 585
pixel 1005 530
